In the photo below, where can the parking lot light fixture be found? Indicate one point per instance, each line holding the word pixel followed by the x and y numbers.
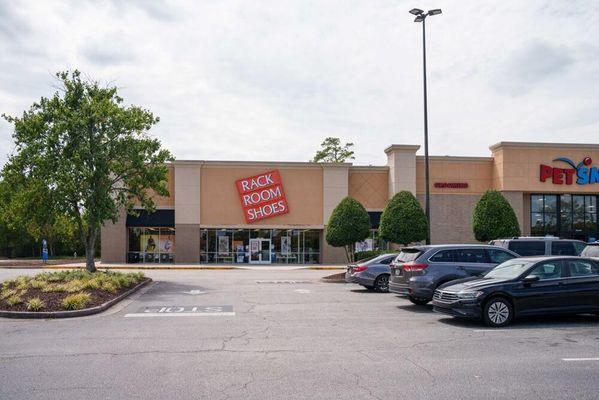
pixel 421 17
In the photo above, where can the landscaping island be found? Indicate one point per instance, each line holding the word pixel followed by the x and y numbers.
pixel 66 293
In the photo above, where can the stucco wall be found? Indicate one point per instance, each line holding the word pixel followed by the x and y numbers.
pixel 114 240
pixel 518 166
pixel 451 216
pixel 476 171
pixel 220 204
pixel 369 187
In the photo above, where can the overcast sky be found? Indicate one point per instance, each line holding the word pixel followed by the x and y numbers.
pixel 268 80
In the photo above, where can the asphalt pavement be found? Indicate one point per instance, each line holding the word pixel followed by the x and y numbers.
pixel 270 334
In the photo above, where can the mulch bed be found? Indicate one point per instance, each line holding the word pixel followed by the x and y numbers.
pixel 53 300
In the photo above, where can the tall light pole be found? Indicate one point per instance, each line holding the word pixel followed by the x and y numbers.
pixel 421 17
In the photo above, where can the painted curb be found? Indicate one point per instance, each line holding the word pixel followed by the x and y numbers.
pixel 72 313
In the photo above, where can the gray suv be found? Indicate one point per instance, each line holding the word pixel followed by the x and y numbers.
pixel 541 246
pixel 417 271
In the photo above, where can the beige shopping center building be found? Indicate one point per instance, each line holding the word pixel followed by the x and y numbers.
pixel 217 213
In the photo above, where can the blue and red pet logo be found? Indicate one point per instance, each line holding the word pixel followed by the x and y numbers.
pixel 582 172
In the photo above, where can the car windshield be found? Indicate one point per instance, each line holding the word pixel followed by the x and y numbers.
pixel 510 269
pixel 408 255
pixel 591 251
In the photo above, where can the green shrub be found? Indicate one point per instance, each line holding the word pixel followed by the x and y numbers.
pixel 109 287
pixel 35 304
pixel 494 218
pixel 58 288
pixel 349 223
pixel 403 221
pixel 14 300
pixel 92 284
pixel 38 284
pixel 73 286
pixel 76 301
pixel 6 293
pixel 22 282
pixel 362 255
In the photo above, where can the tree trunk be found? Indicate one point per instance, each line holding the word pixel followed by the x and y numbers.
pixel 90 251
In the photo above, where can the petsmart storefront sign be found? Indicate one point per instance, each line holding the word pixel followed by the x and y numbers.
pixel 582 173
pixel 262 196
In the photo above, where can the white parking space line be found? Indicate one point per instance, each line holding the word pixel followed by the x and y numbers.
pixel 302 291
pixel 580 359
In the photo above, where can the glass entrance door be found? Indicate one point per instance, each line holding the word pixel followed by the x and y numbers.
pixel 259 251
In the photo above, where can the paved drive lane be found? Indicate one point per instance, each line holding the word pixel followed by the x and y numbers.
pixel 297 338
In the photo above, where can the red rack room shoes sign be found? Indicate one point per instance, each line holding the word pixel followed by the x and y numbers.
pixel 262 196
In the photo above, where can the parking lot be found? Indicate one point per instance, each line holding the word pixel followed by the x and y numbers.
pixel 274 334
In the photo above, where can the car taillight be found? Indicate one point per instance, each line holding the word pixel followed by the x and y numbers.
pixel 414 267
pixel 360 268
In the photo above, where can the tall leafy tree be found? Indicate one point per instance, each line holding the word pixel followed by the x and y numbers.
pixel 333 152
pixel 92 153
pixel 403 221
pixel 349 223
pixel 494 218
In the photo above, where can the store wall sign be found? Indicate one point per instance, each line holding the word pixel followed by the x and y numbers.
pixel 451 185
pixel 581 174
pixel 262 196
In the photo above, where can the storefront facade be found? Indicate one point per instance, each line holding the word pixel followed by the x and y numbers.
pixel 276 212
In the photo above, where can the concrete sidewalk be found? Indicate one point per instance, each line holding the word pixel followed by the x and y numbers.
pixel 148 266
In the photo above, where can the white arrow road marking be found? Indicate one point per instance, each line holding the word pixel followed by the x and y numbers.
pixel 195 292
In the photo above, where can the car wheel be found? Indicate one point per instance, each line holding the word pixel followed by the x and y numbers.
pixel 381 284
pixel 418 301
pixel 498 312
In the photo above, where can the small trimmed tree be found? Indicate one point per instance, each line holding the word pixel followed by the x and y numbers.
pixel 403 221
pixel 349 223
pixel 494 218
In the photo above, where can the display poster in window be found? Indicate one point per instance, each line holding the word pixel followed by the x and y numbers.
pixel 239 252
pixel 223 245
pixel 365 245
pixel 286 245
pixel 149 243
pixel 167 243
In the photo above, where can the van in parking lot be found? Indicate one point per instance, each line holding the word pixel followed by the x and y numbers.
pixel 541 246
pixel 417 271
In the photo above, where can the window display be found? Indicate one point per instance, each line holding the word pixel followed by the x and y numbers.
pixel 151 245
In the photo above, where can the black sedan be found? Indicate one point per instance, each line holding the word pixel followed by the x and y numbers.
pixel 523 287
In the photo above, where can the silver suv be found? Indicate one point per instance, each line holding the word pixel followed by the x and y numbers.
pixel 417 271
pixel 541 246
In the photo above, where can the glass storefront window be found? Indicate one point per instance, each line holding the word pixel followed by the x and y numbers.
pixel 281 246
pixel 151 245
pixel 566 215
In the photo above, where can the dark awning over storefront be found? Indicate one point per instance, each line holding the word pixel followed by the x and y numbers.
pixel 375 219
pixel 159 218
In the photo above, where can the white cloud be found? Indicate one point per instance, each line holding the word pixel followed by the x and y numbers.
pixel 269 80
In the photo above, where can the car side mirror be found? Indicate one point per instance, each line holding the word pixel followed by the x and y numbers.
pixel 531 279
